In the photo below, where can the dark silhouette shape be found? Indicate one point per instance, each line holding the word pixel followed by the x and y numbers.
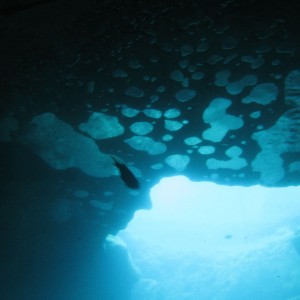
pixel 127 176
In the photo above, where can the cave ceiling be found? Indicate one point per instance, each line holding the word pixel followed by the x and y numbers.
pixel 205 89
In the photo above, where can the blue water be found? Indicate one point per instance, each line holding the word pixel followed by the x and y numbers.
pixel 242 246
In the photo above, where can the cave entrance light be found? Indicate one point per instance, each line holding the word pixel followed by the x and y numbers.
pixel 212 220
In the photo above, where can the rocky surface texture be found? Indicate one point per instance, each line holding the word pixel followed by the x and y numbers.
pixel 208 89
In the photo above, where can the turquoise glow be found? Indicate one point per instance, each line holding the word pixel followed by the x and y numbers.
pixel 207 241
pixel 215 220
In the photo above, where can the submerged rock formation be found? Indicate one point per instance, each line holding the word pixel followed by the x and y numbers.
pixel 207 89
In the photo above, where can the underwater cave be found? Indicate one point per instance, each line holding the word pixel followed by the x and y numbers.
pixel 149 150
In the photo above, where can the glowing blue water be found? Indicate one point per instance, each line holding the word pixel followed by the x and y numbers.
pixel 206 241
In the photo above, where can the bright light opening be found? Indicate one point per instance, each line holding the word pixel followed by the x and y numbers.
pixel 207 241
pixel 214 220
